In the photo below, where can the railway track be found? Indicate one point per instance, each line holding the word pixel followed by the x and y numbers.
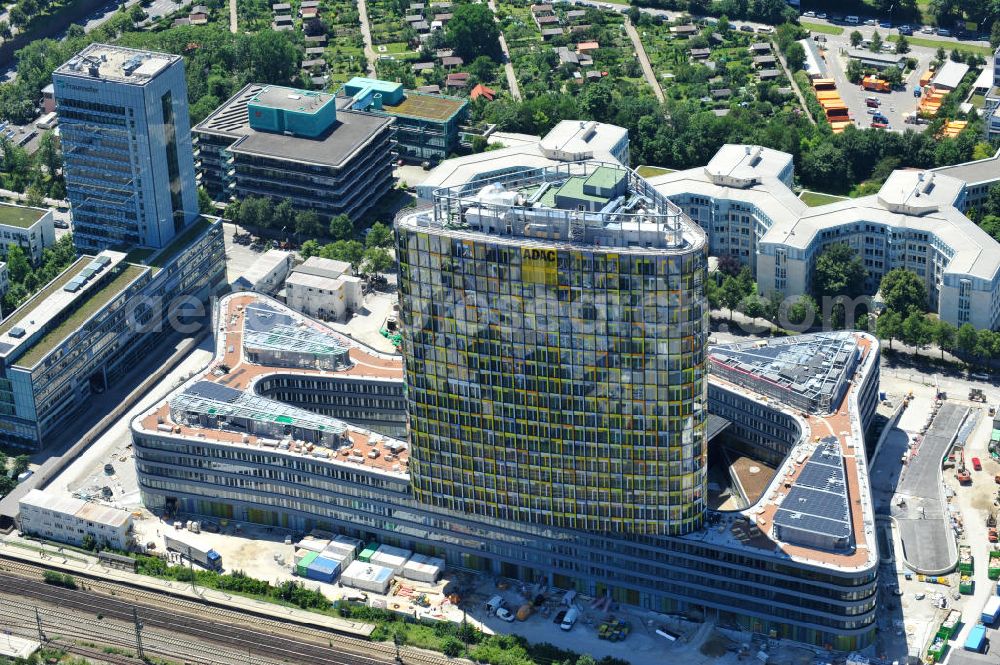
pixel 244 632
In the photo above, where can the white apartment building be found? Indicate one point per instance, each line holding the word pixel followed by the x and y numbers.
pixel 324 289
pixel 65 519
pixel 743 200
pixel 33 229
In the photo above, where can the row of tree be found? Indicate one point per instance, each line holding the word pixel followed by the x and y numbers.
pixel 26 279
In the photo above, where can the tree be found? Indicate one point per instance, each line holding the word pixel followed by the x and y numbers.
pixel 943 333
pixel 17 17
pixel 894 76
pixel 18 265
pixel 379 235
pixel 903 290
pixel 856 38
pixel 341 227
pixel 205 204
pixel 21 464
pixel 351 251
pixel 795 56
pixel 34 197
pixel 377 260
pixel 5 30
pixel 995 34
pixel 88 542
pixel 966 339
pixel 309 248
pixel 826 167
pixel 903 45
pixel 839 271
pixel 307 223
pixel 889 326
pixel 284 216
pixel 916 330
pixel 940 55
pixel 753 307
pixel 731 294
pixel 876 43
pixel 472 32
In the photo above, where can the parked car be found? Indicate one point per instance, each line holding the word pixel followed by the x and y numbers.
pixel 944 32
pixel 927 30
pixel 60 224
pixel 885 24
pixel 821 15
pixel 809 14
pixel 872 111
pixel 746 28
pixel 505 615
pixel 905 30
pixel 870 21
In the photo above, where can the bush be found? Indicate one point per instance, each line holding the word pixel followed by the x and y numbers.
pixel 452 647
pixel 59 579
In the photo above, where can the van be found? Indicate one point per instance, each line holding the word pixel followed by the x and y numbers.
pixel 570 619
pixel 494 603
pixel 853 20
pixel 872 102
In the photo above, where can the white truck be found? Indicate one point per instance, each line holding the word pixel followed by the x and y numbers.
pixel 208 559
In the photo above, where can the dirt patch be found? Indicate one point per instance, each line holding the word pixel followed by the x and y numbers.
pixel 715 646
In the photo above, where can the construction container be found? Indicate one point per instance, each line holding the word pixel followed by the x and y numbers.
pixel 994 567
pixel 965 559
pixel 824 84
pixel 976 639
pixel 367 577
pixel 991 611
pixel 936 649
pixel 966 585
pixel 302 567
pixel 322 569
pixel 950 624
pixel 345 547
pixel 391 557
pixel 421 568
pixel 366 554
pixel 313 544
pixel 299 553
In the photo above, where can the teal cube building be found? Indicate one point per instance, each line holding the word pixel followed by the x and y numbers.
pixel 427 126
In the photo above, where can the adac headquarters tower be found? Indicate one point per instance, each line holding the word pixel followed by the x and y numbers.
pixel 554 334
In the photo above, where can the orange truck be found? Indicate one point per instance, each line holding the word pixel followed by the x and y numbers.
pixel 875 84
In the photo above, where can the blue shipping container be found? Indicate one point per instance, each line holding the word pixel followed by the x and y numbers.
pixel 976 639
pixel 323 570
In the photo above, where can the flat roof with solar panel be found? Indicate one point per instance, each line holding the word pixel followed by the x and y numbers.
pixel 51 315
pixel 818 390
pixel 260 339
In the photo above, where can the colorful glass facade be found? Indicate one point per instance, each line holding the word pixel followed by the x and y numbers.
pixel 556 382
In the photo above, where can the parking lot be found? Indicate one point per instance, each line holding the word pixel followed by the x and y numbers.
pixel 895 105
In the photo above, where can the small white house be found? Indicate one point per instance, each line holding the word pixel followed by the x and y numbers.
pixel 266 274
pixel 323 289
pixel 67 520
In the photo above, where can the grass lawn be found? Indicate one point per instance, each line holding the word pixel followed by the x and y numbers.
pixel 978 101
pixel 18 216
pixel 813 199
pixel 650 171
pixel 947 46
pixel 823 27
